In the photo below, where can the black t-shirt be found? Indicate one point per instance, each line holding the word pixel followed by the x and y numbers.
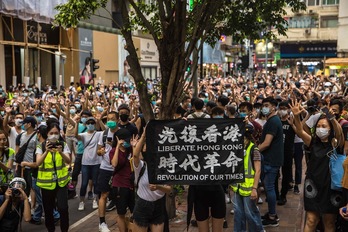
pixel 274 154
pixel 288 137
pixel 130 127
pixel 10 221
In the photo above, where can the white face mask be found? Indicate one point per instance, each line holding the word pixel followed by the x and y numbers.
pixel 322 132
pixel 18 122
pixel 282 113
pixel 53 138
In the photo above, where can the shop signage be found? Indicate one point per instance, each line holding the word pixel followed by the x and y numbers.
pixel 308 50
pixel 148 51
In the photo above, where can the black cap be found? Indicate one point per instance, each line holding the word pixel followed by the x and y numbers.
pixel 30 120
pixel 123 107
pixel 123 134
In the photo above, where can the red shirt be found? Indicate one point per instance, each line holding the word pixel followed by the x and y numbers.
pixel 122 174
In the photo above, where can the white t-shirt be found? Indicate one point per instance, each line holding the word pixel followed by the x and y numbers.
pixel 144 191
pixel 312 120
pixel 90 143
pixel 105 161
pixel 12 138
pixel 66 149
pixel 198 115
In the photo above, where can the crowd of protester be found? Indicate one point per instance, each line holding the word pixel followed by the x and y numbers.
pixel 96 130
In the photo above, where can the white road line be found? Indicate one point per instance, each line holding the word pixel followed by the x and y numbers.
pixel 79 222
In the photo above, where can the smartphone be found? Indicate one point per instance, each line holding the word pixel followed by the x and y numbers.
pixel 109 139
pixel 327 112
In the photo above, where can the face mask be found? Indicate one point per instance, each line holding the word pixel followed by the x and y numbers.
pixel 322 132
pixel 347 83
pixel 255 86
pixel 83 120
pixel 111 124
pixel 78 106
pixel 18 122
pixel 2 113
pixel 282 113
pixel 54 111
pixel 126 144
pixel 90 127
pixel 242 114
pixel 205 100
pixel 25 95
pixel 100 109
pixel 189 105
pixel 218 116
pixel 39 118
pixel 72 111
pixel 14 96
pixel 153 103
pixel 265 111
pixel 124 117
pixel 53 138
pixel 247 98
pixel 326 92
pixel 30 89
pixel 23 128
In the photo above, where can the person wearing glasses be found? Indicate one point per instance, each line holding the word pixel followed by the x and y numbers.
pixel 90 160
pixel 319 199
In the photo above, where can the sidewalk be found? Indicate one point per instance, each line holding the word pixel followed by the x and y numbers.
pixel 290 215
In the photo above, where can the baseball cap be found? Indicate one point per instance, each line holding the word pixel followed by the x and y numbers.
pixel 30 120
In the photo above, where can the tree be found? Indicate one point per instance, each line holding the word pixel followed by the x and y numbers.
pixel 177 32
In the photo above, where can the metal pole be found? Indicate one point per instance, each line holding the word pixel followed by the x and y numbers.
pixel 266 60
pixel 201 63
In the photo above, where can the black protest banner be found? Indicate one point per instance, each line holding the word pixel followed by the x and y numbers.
pixel 195 152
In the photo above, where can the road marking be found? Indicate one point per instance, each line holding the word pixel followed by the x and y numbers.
pixel 82 220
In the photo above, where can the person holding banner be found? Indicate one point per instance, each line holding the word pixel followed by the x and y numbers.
pixel 149 209
pixel 245 194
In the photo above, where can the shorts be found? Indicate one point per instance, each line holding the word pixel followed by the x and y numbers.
pixel 213 200
pixel 103 181
pixel 148 213
pixel 124 198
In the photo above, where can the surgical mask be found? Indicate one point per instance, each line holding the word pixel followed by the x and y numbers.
pixel 265 111
pixel 247 98
pixel 25 95
pixel 347 83
pixel 72 111
pixel 15 96
pixel 326 92
pixel 111 124
pixel 78 106
pixel 39 118
pixel 257 110
pixel 2 113
pixel 242 114
pixel 53 138
pixel 206 100
pixel 189 105
pixel 83 120
pixel 126 144
pixel 255 86
pixel 30 89
pixel 23 128
pixel 153 103
pixel 54 111
pixel 282 113
pixel 18 122
pixel 322 132
pixel 124 117
pixel 100 109
pixel 90 127
pixel 218 116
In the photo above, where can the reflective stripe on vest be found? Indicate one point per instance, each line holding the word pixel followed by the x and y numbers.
pixel 245 189
pixel 46 173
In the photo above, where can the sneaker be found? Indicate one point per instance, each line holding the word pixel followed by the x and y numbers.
pixel 227 199
pixel 90 195
pixel 232 211
pixel 81 206
pixel 270 222
pixel 282 201
pixel 225 224
pixel 95 204
pixel 259 201
pixel 296 190
pixel 266 216
pixel 35 222
pixel 110 207
pixel 103 227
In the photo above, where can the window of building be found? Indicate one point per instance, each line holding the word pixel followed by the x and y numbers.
pixel 149 72
pixel 313 2
pixel 328 21
pixel 331 2
pixel 301 22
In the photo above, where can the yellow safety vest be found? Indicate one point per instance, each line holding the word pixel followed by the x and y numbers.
pixel 52 172
pixel 10 153
pixel 245 189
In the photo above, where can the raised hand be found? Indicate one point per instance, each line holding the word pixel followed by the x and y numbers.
pixel 296 107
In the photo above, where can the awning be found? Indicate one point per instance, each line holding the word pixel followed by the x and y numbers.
pixel 336 62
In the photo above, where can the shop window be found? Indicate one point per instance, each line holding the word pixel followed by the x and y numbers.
pixel 313 2
pixel 328 21
pixel 331 2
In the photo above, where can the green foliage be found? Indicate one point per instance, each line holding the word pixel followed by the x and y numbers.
pixel 76 10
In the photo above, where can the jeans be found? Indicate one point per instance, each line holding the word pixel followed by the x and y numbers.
pixel 298 157
pixel 270 174
pixel 89 172
pixel 77 167
pixel 286 173
pixel 245 210
pixel 39 208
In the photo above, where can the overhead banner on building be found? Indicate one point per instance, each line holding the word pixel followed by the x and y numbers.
pixel 308 50
pixel 195 152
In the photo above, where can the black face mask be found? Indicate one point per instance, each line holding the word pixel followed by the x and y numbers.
pixel 124 117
